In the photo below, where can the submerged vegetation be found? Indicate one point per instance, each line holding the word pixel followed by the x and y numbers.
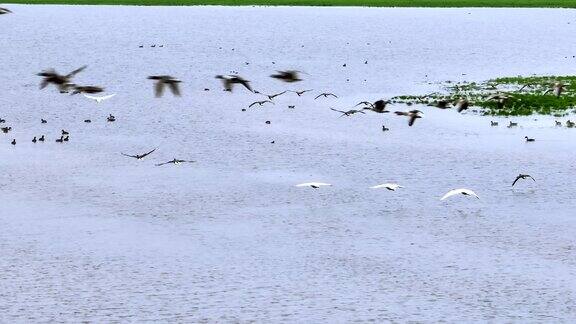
pixel 362 3
pixel 508 96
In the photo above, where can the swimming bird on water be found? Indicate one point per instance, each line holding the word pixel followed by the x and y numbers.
pixel 99 99
pixel 62 82
pixel 111 118
pixel 5 130
pixel 300 93
pixel 389 186
pixel 512 124
pixel 13 142
pixel 175 161
pixel 493 123
pixel 528 139
pixel 260 103
pixel 522 176
pixel 2 121
pixel 43 121
pixel 349 112
pixel 60 140
pixel 231 80
pixel 4 11
pixel 325 95
pixel 287 76
pixel 314 185
pixel 385 129
pixel 570 124
pixel 558 123
pixel 65 132
pixel 165 81
pixel 34 140
pixel 140 156
pixel 465 192
pixel 412 115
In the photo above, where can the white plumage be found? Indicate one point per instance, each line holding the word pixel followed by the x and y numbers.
pixel 465 192
pixel 389 186
pixel 313 184
pixel 99 99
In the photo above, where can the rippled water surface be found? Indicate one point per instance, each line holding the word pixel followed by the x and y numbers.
pixel 90 235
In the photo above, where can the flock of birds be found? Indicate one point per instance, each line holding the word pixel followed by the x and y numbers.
pixel 63 82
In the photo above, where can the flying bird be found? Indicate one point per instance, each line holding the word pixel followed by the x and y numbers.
pixel 522 176
pixel 87 89
pixel 412 115
pixel 462 105
pixel 556 89
pixel 378 106
pixel 99 99
pixel 300 93
pixel 287 76
pixel 465 192
pixel 314 185
pixel 165 81
pixel 175 162
pixel 140 156
pixel 62 82
pixel 260 103
pixel 389 186
pixel 325 95
pixel 4 11
pixel 349 112
pixel 231 80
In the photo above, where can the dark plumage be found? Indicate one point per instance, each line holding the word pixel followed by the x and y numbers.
pixel 4 11
pixel 139 156
pixel 87 89
pixel 163 81
pixel 325 95
pixel 287 76
pixel 175 161
pixel 62 82
pixel 348 112
pixel 522 176
pixel 231 80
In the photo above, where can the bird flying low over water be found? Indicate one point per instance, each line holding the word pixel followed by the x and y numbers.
pixel 272 96
pixel 325 95
pixel 389 186
pixel 99 99
pixel 4 11
pixel 175 162
pixel 314 185
pixel 462 105
pixel 231 80
pixel 556 89
pixel 300 93
pixel 465 192
pixel 349 112
pixel 87 89
pixel 378 106
pixel 163 81
pixel 287 76
pixel 412 115
pixel 522 176
pixel 260 103
pixel 60 81
pixel 140 156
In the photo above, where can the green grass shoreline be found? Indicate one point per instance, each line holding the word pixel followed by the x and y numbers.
pixel 357 3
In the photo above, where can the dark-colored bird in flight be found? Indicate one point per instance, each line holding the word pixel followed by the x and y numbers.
pixel 139 156
pixel 175 162
pixel 300 93
pixel 163 81
pixel 522 176
pixel 348 112
pixel 325 95
pixel 62 82
pixel 231 80
pixel 260 103
pixel 412 115
pixel 87 89
pixel 287 76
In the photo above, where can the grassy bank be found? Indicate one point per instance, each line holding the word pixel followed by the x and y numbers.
pixel 369 3
pixel 509 96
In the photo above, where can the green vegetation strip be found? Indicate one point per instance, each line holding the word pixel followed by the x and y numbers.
pixel 510 96
pixel 361 3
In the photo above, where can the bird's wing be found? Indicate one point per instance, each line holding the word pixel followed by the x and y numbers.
pixel 516 180
pixel 469 192
pixel 318 96
pixel 175 89
pixel 245 84
pixel 379 186
pixel 252 104
pixel 269 102
pixel 340 111
pixel 412 119
pixel 308 184
pixel 146 154
pixel 107 97
pixel 331 94
pixel 132 156
pixel 159 89
pixel 43 84
pixel 451 193
pixel 160 164
pixel 532 178
pixel 71 74
pixel 279 94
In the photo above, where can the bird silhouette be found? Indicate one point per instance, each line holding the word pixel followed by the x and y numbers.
pixel 62 82
pixel 231 80
pixel 140 156
pixel 163 81
pixel 325 95
pixel 175 162
pixel 287 76
pixel 522 176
